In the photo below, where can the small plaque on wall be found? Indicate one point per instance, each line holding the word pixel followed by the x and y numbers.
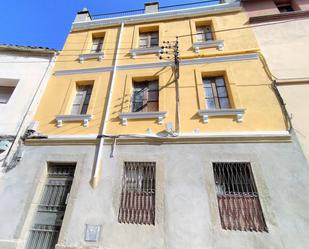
pixel 92 233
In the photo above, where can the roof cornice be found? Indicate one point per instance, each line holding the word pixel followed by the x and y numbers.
pixel 159 16
pixel 28 49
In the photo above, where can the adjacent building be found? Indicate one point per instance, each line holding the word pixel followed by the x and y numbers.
pixel 159 130
pixel 24 73
pixel 282 31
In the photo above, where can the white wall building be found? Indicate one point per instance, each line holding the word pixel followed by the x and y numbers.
pixel 24 72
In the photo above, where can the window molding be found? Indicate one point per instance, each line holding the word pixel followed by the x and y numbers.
pixel 69 118
pixel 125 116
pixel 219 44
pixel 239 113
pixel 83 57
pixel 141 51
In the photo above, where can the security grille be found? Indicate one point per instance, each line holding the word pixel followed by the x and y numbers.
pixel 137 203
pixel 48 221
pixel 238 199
pixel 43 237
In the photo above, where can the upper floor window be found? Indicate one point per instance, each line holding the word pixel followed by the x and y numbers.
pixel 145 96
pixel 6 93
pixel 81 100
pixel 97 44
pixel 137 203
pixel 215 93
pixel 149 39
pixel 238 198
pixel 285 7
pixel 204 33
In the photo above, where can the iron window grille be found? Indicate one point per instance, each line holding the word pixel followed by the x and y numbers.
pixel 149 39
pixel 203 34
pixel 238 199
pixel 145 96
pixel 51 208
pixel 137 204
pixel 82 99
pixel 215 93
pixel 97 44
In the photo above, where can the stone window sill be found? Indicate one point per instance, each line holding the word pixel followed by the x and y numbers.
pixel 139 51
pixel 219 44
pixel 142 115
pixel 99 56
pixel 239 113
pixel 70 118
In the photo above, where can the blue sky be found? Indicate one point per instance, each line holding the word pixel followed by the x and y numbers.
pixel 47 22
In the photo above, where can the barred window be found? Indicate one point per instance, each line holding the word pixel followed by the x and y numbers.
pixel 237 196
pixel 145 96
pixel 137 204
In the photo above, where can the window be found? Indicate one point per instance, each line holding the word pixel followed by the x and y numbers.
pixel 284 7
pixel 145 96
pixel 82 98
pixel 149 39
pixel 97 44
pixel 238 199
pixel 216 93
pixel 51 209
pixel 204 34
pixel 5 93
pixel 137 204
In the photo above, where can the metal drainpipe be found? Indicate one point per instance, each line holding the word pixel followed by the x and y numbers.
pixel 95 177
pixel 20 128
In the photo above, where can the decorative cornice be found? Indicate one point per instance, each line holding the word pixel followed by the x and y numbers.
pixel 159 16
pixel 239 113
pixel 69 118
pixel 206 60
pixel 142 115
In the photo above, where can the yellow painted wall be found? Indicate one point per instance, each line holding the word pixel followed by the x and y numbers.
pixel 246 81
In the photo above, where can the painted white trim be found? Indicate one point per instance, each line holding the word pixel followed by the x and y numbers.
pixel 99 56
pixel 208 60
pixel 239 113
pixel 219 44
pixel 236 134
pixel 152 50
pixel 159 16
pixel 68 118
pixel 73 137
pixel 125 116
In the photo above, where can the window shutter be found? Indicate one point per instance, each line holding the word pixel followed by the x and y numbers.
pixel 143 40
pixel 97 44
pixel 81 101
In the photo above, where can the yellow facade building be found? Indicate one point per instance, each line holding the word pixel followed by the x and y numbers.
pixel 162 130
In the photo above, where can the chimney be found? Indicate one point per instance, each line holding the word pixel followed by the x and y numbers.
pixel 83 16
pixel 152 7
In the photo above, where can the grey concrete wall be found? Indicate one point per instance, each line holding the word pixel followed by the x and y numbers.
pixel 186 206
